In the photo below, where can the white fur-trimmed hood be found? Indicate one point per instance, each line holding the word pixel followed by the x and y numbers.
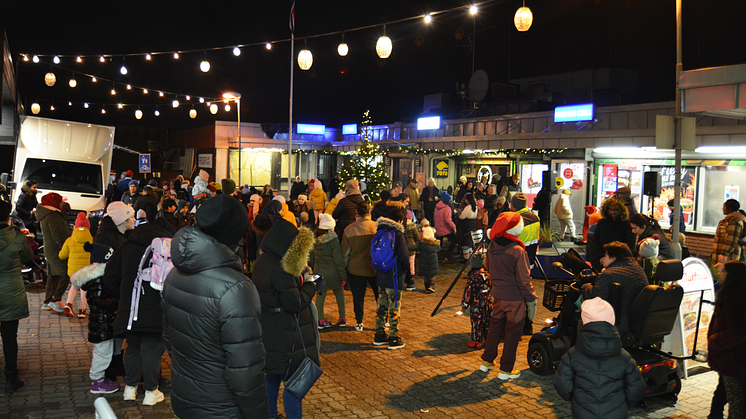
pixel 87 274
pixel 388 222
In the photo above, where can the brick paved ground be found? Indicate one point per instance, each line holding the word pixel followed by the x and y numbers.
pixel 435 376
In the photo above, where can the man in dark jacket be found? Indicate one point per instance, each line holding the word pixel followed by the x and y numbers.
pixel 381 208
pixel 389 286
pixel 621 268
pixel 287 319
pixel 131 196
pixel 207 299
pixel 345 211
pixel 144 336
pixel 169 214
pixel 298 188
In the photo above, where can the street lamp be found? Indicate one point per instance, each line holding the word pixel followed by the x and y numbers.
pixel 236 97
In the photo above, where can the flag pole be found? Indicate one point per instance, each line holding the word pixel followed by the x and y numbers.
pixel 290 130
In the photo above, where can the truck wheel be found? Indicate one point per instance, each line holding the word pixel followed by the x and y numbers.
pixel 538 359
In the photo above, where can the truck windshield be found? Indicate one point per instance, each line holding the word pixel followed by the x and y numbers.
pixel 64 176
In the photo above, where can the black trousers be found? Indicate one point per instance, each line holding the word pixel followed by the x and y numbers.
pixel 9 333
pixel 358 286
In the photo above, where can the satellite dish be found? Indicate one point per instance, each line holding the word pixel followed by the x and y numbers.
pixel 478 86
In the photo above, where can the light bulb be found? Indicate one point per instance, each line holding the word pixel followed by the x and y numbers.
pixel 188 97
pixel 129 87
pixel 428 18
pixel 123 70
pixel 69 104
pixel 102 59
pixel 93 79
pixel 473 10
pixel 204 66
pixel 160 94
pixel 56 59
pixel 138 114
pixel 85 105
pixel 103 111
pixel 267 45
pixel 236 51
pixel 157 112
pixel 227 107
pixel 35 108
pixel 113 92
pixel 79 59
pixel 175 103
pixel 192 113
pixel 176 55
pixel 35 59
pixel 25 57
pixel 342 49
pixel 120 106
pixel 145 91
pixel 213 109
pixel 201 100
pixel 147 57
pixel 51 108
pixel 72 83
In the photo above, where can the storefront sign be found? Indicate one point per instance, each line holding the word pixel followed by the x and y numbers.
pixel 609 178
pixel 573 174
pixel 731 192
pixel 440 168
pixel 567 173
pixel 573 113
pixel 559 182
pixel 204 160
pixel 668 192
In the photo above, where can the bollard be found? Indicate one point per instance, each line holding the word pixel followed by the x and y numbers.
pixel 103 409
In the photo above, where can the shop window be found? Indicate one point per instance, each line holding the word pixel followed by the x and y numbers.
pixel 721 183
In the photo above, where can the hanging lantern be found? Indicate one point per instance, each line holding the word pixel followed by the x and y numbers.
pixel 227 107
pixel 383 47
pixel 523 19
pixel 72 83
pixel 192 113
pixel 138 114
pixel 175 103
pixel 305 59
pixel 204 66
pixel 213 109
pixel 342 49
pixel 50 79
pixel 35 108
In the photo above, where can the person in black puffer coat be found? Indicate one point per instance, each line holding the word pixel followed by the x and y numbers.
pixel 103 308
pixel 600 377
pixel 144 340
pixel 147 202
pixel 622 268
pixel 285 295
pixel 207 299
pixel 26 205
pixel 346 209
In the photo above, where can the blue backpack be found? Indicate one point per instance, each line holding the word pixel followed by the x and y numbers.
pixel 382 250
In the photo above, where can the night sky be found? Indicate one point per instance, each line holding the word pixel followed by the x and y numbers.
pixel 567 35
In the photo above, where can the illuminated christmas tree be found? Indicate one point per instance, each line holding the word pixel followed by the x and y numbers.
pixel 366 165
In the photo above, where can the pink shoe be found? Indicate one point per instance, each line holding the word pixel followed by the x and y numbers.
pixel 324 323
pixel 69 310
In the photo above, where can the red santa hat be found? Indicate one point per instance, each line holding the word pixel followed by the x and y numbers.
pixel 508 225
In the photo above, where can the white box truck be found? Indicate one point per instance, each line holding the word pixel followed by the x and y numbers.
pixel 70 158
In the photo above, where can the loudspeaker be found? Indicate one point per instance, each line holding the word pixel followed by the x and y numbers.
pixel 651 184
pixel 547 179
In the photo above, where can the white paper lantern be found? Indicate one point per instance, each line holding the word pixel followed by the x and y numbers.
pixel 523 19
pixel 50 79
pixel 213 109
pixel 138 114
pixel 305 59
pixel 35 108
pixel 175 103
pixel 383 47
pixel 192 113
pixel 342 49
pixel 72 83
pixel 204 66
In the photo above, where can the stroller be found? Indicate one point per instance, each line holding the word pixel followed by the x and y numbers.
pixel 652 317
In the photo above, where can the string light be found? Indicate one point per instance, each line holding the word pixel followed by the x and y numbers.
pixel 268 45
pixel 428 18
pixel 35 108
pixel 192 113
pixel 227 107
pixel 383 46
pixel 342 48
pixel 176 55
pixel 35 59
pixel 213 109
pixel 50 79
pixel 102 59
pixel 236 51
pixel 129 87
pixel 175 103
pixel 157 112
pixel 123 69
pixel 473 9
pixel 145 91
pixel 138 114
pixel 56 59
pixel 93 79
pixel 79 59
pixel 72 83
pixel 119 105
pixel 204 65
pixel 85 105
pixel 147 57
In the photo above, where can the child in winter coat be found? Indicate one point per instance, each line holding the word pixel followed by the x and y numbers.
pixel 413 237
pixel 326 259
pixel 79 257
pixel 318 196
pixel 304 211
pixel 428 247
pixel 648 260
pixel 600 377
pixel 478 299
pixel 103 310
pixel 333 202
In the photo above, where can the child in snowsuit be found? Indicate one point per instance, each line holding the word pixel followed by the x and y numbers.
pixel 413 237
pixel 73 249
pixel 428 247
pixel 326 259
pixel 600 377
pixel 478 299
pixel 648 259
pixel 103 310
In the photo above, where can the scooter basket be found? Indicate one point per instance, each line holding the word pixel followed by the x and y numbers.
pixel 555 293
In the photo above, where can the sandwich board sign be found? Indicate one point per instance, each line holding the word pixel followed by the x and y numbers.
pixel 697 278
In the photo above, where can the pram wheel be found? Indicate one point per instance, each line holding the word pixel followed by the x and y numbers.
pixel 538 359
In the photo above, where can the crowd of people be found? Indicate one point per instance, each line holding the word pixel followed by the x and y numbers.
pixel 243 304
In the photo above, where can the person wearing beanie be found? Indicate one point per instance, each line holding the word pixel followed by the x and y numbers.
pixel 599 377
pixel 563 211
pixel 513 293
pixel 56 230
pixel 207 298
pixel 14 252
pixel 78 257
pixel 131 196
pixel 286 292
pixel 125 182
pixel 428 247
pixel 101 321
pixel 228 186
pixel 443 223
pixel 326 259
pixel 318 197
pixel 478 299
pixel 648 260
pixel 619 267
pixel 346 210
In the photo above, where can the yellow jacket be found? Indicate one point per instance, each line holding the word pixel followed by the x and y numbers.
pixel 73 249
pixel 318 196
pixel 287 215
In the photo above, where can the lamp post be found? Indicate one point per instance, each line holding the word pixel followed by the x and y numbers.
pixel 236 97
pixel 677 140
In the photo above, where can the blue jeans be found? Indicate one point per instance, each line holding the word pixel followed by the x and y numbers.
pixel 293 406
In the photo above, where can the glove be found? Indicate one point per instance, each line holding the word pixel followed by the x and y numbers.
pixel 344 283
pixel 531 310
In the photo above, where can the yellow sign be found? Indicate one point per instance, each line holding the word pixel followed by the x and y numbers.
pixel 441 168
pixel 559 182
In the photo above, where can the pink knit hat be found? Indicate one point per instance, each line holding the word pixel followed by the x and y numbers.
pixel 597 310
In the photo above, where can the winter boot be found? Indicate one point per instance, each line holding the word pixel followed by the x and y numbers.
pixel 12 382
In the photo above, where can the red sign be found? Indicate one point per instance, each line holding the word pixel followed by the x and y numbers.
pixel 567 173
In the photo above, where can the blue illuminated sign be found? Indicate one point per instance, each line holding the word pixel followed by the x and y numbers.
pixel 349 129
pixel 310 129
pixel 430 122
pixel 574 113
